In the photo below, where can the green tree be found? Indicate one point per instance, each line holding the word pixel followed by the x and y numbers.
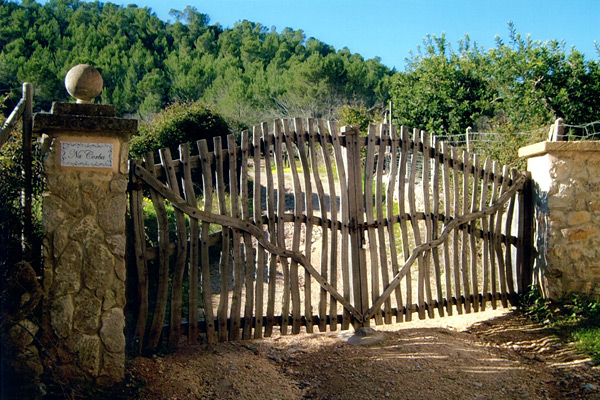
pixel 513 87
pixel 442 91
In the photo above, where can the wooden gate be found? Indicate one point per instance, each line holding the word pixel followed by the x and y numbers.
pixel 305 225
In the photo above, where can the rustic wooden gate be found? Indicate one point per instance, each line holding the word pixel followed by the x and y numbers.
pixel 382 227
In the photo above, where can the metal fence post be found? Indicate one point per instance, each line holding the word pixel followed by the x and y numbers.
pixel 27 193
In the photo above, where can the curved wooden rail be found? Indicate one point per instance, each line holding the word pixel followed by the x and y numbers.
pixel 242 225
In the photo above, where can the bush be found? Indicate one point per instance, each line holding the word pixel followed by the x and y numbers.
pixel 178 123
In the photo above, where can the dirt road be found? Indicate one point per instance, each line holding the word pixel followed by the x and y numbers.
pixel 502 357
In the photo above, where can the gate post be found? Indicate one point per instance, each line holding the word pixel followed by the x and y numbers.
pixel 84 207
pixel 356 207
pixel 525 236
pixel 566 188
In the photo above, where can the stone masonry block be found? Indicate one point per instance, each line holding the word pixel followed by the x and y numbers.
pixel 578 217
pixel 85 229
pixel 111 213
pixel 61 315
pixel 578 234
pixel 111 333
pixel 68 269
pixel 88 351
pixel 65 186
pixel 98 265
pixel 88 308
pixel 119 185
pixel 117 244
pixel 113 368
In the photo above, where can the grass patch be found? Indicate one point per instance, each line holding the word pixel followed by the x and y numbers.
pixel 574 318
pixel 587 340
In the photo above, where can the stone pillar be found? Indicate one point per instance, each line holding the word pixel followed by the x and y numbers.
pixel 566 178
pixel 84 206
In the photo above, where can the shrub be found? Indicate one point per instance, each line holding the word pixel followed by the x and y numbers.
pixel 176 124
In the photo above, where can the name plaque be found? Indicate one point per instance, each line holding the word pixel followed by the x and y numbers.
pixel 83 154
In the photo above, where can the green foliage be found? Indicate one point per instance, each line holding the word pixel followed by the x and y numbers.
pixel 178 123
pixel 513 87
pixel 575 318
pixel 11 185
pixel 588 341
pixel 505 147
pixel 249 72
pixel 355 116
pixel 442 91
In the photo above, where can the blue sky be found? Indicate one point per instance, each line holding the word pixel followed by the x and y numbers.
pixel 389 29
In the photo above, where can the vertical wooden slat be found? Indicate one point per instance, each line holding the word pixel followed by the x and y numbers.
pixel 136 198
pixel 465 232
pixel 225 242
pixel 285 306
pixel 428 221
pixel 356 214
pixel 235 188
pixel 492 246
pixel 405 144
pixel 369 208
pixel 182 241
pixel 472 239
pixel 498 243
pixel 308 202
pixel 162 293
pixel 389 200
pixel 447 211
pixel 435 218
pixel 525 241
pixel 508 250
pixel 313 141
pixel 333 225
pixel 381 230
pixel 260 252
pixel 190 197
pixel 295 289
pixel 341 172
pixel 484 227
pixel 207 192
pixel 455 239
pixel 236 297
pixel 249 264
pixel 415 225
pixel 268 140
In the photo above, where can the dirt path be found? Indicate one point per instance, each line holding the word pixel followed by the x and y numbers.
pixel 501 357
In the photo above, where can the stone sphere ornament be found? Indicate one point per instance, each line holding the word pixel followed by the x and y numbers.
pixel 83 82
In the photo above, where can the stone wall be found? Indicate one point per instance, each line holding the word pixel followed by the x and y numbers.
pixel 84 251
pixel 566 179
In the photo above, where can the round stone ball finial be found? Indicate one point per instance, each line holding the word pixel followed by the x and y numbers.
pixel 83 82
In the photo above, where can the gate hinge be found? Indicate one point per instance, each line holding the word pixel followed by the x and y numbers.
pixel 131 186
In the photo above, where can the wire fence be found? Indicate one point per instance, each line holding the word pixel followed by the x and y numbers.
pixel 589 131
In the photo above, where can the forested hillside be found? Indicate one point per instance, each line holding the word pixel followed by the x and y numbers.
pixel 251 73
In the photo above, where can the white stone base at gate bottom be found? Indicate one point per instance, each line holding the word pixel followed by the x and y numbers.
pixel 566 178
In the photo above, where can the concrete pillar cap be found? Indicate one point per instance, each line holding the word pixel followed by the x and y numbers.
pixel 84 83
